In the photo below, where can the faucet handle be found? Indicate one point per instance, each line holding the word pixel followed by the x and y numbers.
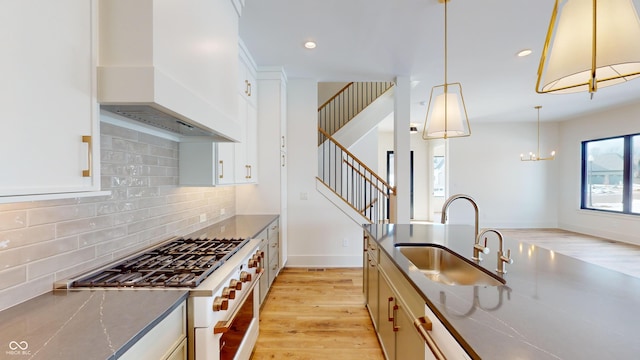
pixel 508 259
pixel 485 250
pixel 477 249
pixel 502 260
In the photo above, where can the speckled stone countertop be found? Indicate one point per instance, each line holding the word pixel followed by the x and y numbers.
pixel 552 306
pixel 98 324
pixel 83 324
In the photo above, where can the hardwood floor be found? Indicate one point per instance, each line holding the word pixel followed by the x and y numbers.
pixel 316 314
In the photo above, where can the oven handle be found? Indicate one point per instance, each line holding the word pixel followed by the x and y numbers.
pixel 224 326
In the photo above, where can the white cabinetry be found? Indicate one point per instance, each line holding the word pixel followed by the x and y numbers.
pixel 180 57
pixel 50 134
pixel 270 197
pixel 165 341
pixel 246 151
pixel 205 163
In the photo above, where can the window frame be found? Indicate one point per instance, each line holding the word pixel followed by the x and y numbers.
pixel 627 176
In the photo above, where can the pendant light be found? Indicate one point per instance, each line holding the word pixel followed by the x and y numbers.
pixel 589 44
pixel 536 156
pixel 446 113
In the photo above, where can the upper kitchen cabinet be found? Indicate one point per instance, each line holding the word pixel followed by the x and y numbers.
pixel 246 151
pixel 50 132
pixel 171 64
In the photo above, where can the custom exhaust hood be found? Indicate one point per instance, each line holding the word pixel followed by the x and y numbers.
pixel 172 65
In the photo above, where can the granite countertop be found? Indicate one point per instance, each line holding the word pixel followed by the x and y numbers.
pixel 83 324
pixel 552 306
pixel 100 324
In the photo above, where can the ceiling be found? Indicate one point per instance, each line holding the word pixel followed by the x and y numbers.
pixel 378 40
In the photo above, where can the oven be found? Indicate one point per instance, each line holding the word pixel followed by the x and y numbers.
pixel 225 323
pixel 222 276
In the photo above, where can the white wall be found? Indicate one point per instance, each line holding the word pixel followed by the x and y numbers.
pixel 619 121
pixel 510 193
pixel 316 227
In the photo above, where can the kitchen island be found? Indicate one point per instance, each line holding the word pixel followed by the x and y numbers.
pixel 551 307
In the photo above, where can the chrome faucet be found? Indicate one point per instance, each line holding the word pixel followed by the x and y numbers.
pixel 477 248
pixel 501 258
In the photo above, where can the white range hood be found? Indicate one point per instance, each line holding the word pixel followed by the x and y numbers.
pixel 171 64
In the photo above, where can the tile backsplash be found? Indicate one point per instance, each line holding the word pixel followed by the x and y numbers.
pixel 46 241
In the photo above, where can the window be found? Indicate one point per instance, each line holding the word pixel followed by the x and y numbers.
pixel 611 174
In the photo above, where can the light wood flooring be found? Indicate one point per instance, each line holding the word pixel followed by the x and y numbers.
pixel 316 314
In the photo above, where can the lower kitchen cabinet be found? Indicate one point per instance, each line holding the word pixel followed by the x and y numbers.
pixel 270 247
pixel 396 308
pixel 166 341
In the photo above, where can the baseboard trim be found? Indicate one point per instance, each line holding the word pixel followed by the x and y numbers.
pixel 326 261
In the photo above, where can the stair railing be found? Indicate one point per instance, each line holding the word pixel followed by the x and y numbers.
pixel 347 103
pixel 353 181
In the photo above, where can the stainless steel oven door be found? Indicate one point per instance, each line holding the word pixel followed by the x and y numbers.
pixel 235 337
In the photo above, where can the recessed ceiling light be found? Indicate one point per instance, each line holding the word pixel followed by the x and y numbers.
pixel 525 52
pixel 310 44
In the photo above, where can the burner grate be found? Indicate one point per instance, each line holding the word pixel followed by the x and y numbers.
pixel 179 263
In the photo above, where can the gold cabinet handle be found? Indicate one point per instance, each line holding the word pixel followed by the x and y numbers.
pixel 389 315
pixel 283 142
pixel 249 93
pixel 246 87
pixel 424 325
pixel 221 169
pixel 282 160
pixel 395 316
pixel 89 141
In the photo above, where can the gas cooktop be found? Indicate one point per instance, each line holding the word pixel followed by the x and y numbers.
pixel 182 262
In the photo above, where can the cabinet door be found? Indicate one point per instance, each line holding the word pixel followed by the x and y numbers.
pixel 225 162
pixel 409 343
pixel 246 151
pixel 372 288
pixel 47 97
pixel 386 302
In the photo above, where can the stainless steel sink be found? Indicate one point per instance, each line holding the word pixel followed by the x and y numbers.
pixel 446 267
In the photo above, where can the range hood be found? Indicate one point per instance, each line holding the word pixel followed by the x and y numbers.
pixel 154 69
pixel 161 119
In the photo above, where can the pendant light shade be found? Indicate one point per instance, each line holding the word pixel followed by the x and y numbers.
pixel 446 113
pixel 590 44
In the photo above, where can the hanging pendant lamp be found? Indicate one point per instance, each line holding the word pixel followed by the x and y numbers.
pixel 536 156
pixel 446 112
pixel 589 44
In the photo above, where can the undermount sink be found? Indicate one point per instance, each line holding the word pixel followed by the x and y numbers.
pixel 444 266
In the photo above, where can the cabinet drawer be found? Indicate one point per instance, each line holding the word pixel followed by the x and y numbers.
pixel 273 229
pixel 163 339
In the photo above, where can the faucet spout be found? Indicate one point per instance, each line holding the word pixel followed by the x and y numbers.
pixel 452 198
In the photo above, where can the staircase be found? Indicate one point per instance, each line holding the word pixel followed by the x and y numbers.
pixel 343 178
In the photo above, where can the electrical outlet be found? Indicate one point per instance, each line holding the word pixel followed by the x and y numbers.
pixel 345 242
pixel 223 211
pixel 304 196
pixel 203 217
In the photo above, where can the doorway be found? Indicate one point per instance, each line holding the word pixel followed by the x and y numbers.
pixel 391 178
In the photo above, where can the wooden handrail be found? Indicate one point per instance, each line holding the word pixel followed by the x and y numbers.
pixel 391 188
pixel 335 96
pixel 369 205
pixel 364 176
pixel 340 196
